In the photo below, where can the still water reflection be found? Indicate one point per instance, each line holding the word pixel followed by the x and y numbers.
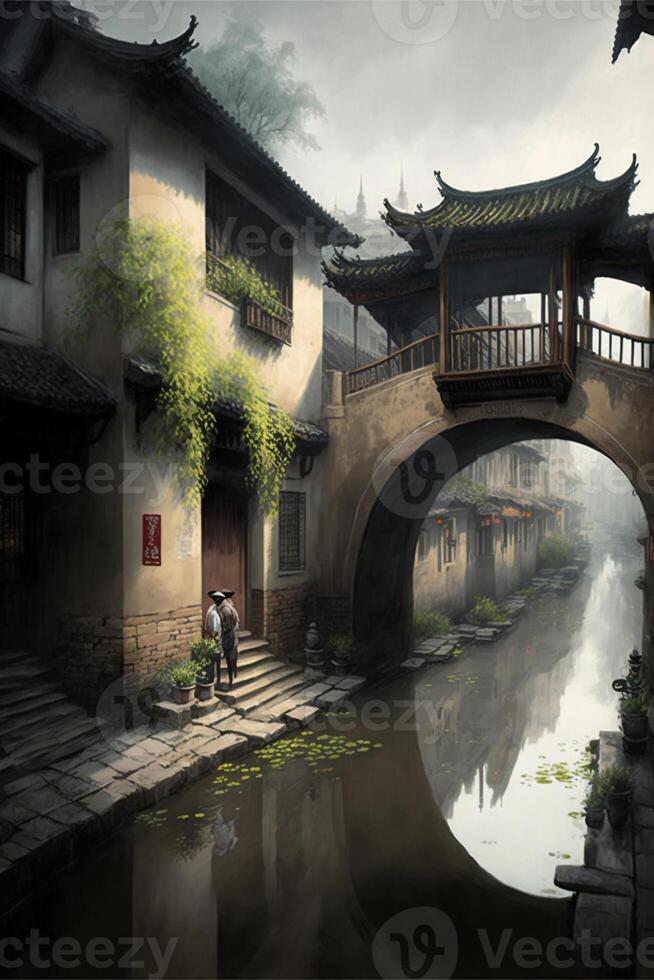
pixel 291 870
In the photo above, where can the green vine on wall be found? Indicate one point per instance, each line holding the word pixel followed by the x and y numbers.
pixel 144 278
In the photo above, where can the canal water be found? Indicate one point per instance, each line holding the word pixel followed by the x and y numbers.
pixel 455 789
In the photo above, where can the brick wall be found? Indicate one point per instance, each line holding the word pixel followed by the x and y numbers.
pixel 281 616
pixel 333 615
pixel 94 651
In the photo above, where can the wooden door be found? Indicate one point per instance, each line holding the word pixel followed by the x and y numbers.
pixel 224 546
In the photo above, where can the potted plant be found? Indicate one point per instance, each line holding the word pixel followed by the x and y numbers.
pixel 181 676
pixel 594 804
pixel 204 653
pixel 633 714
pixel 616 782
pixel 341 648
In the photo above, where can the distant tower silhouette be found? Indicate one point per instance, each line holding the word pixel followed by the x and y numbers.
pixel 402 202
pixel 361 201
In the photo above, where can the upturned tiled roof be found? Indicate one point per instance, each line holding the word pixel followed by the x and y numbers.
pixel 383 271
pixel 42 378
pixel 634 17
pixel 573 194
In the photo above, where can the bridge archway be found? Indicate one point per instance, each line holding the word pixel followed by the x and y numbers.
pixel 393 439
pixel 413 473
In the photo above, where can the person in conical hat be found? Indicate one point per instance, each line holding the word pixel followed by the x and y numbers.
pixel 213 627
pixel 230 623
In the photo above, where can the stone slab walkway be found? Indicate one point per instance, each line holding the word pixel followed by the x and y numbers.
pixel 54 815
pixel 615 887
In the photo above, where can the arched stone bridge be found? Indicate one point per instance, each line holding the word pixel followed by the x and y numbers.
pixel 394 444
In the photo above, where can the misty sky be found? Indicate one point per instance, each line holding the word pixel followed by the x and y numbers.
pixel 489 92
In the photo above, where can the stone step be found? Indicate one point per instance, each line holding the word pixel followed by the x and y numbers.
pixel 55 742
pixel 248 675
pixel 279 672
pixel 291 680
pixel 243 634
pixel 28 693
pixel 8 657
pixel 250 659
pixel 16 728
pixel 250 644
pixel 20 677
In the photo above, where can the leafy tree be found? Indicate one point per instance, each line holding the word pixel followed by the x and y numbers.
pixel 255 82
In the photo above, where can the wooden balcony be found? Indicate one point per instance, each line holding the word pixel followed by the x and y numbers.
pixel 490 363
pixel 277 325
pixel 275 321
pixel 482 364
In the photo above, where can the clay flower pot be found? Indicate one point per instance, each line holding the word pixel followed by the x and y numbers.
pixel 204 690
pixel 635 725
pixel 618 806
pixel 182 695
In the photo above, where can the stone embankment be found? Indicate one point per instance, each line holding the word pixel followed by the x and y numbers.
pixel 438 649
pixel 53 816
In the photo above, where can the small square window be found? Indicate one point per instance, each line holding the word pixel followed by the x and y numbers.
pixel 292 531
pixel 67 214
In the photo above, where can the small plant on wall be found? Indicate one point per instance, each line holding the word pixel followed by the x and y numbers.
pixel 236 279
pixel 143 276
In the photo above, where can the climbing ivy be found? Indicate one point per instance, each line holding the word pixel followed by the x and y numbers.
pixel 236 279
pixel 144 278
pixel 268 433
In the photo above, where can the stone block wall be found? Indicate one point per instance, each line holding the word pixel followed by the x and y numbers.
pixel 94 651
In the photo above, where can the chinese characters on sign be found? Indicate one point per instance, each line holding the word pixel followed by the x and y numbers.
pixel 151 539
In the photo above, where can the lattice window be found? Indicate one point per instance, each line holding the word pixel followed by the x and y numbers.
pixel 234 226
pixel 66 193
pixel 13 186
pixel 292 531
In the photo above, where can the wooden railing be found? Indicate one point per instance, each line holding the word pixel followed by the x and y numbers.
pixel 278 325
pixel 614 345
pixel 483 350
pixel 491 348
pixel 416 355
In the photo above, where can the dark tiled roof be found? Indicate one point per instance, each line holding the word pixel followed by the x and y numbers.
pixel 338 353
pixel 459 495
pixel 143 373
pixel 575 193
pixel 632 231
pixel 59 130
pixel 633 19
pixel 42 378
pixel 167 61
pixel 342 270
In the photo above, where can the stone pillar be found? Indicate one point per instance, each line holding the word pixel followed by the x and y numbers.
pixel 334 408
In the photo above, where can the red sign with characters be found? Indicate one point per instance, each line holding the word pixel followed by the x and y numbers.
pixel 151 539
